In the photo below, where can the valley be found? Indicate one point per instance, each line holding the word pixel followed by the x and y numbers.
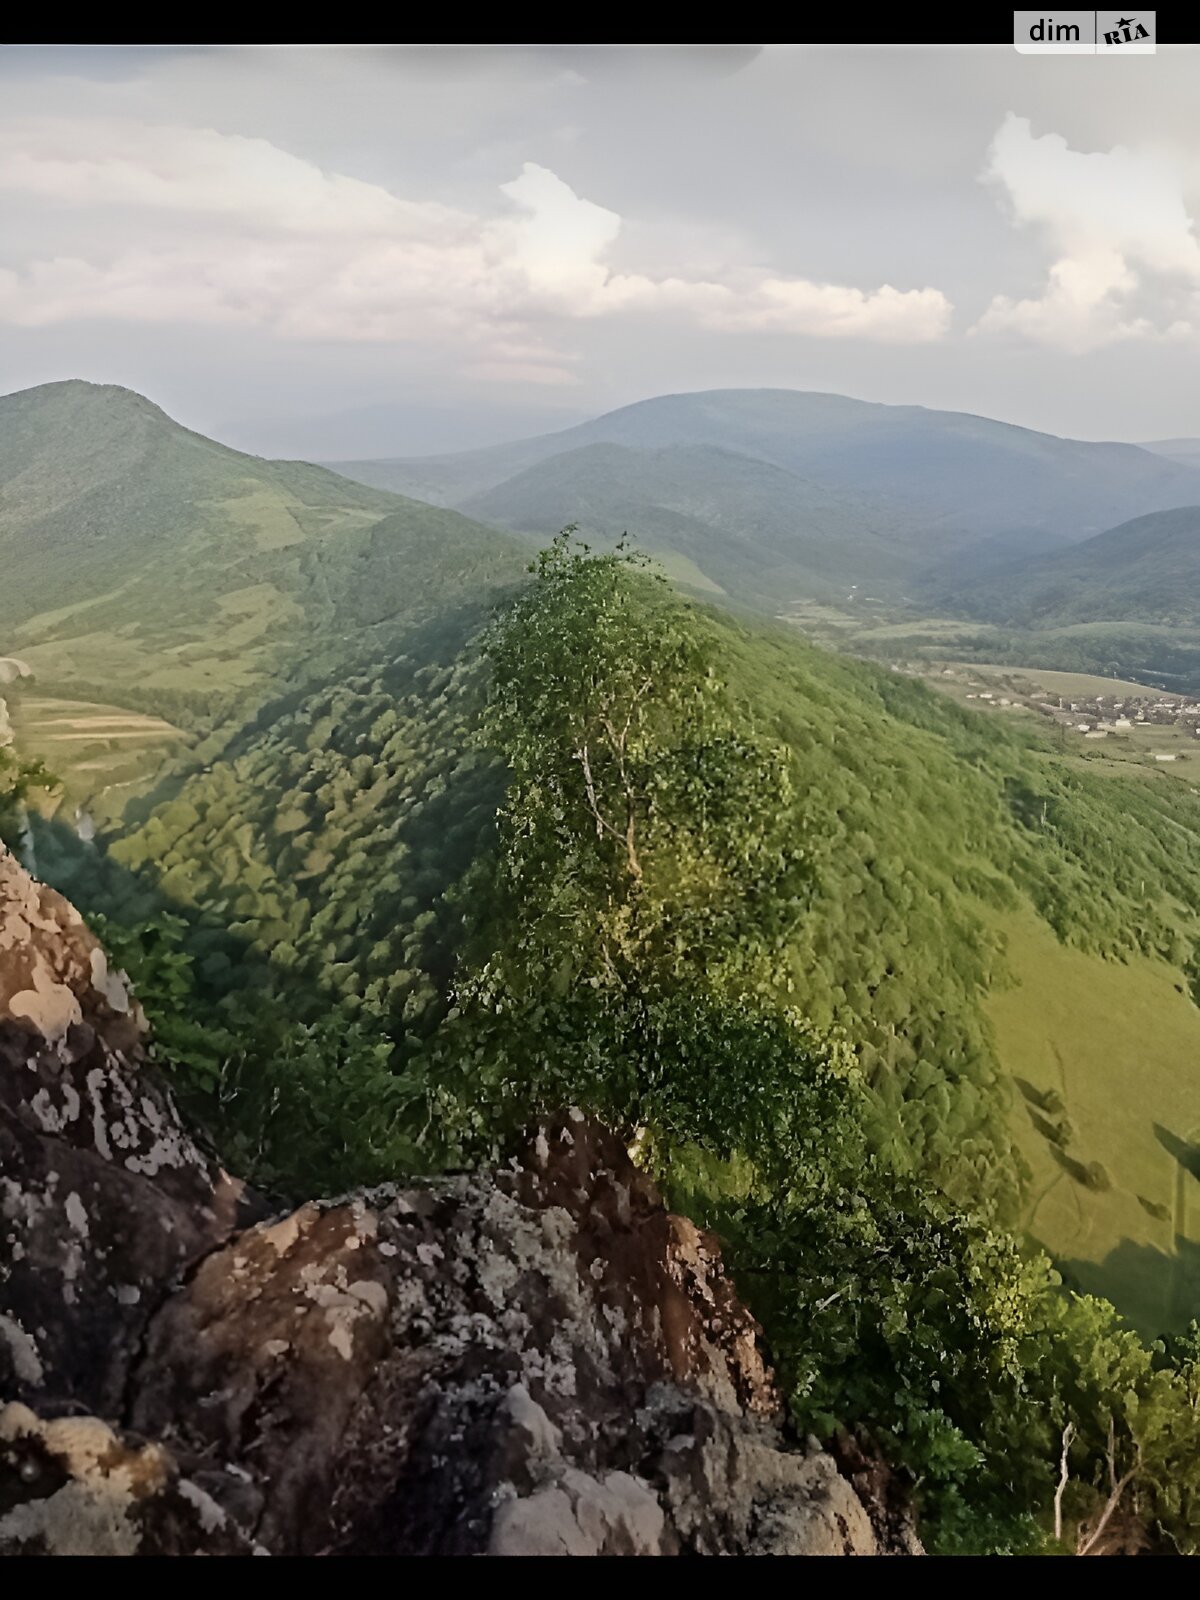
pixel 267 702
pixel 600 797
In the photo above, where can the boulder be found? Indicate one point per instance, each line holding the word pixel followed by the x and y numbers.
pixel 535 1360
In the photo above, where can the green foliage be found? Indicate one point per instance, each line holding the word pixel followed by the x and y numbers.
pixel 322 850
pixel 640 975
pixel 646 881
pixel 327 849
pixel 299 1107
pixel 18 779
pixel 740 914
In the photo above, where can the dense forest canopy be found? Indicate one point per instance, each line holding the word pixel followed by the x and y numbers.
pixel 614 851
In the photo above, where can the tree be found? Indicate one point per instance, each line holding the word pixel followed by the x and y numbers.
pixel 649 874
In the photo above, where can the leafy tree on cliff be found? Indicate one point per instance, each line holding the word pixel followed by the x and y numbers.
pixel 648 875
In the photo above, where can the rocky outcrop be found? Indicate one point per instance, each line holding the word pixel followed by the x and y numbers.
pixel 536 1360
pixel 104 1197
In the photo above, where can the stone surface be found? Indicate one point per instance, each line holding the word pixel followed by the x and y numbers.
pixel 535 1360
pixel 104 1196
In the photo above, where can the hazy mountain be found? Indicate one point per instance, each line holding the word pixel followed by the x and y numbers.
pixel 1184 450
pixel 1146 570
pixel 743 526
pixel 418 427
pixel 135 551
pixel 927 484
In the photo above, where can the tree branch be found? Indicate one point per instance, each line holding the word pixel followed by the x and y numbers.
pixel 1119 1485
pixel 603 825
pixel 1064 1474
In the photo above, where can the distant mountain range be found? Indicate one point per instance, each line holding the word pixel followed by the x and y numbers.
pixel 137 554
pixel 776 495
pixel 414 427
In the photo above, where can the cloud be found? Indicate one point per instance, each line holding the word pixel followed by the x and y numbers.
pixel 102 163
pixel 183 224
pixel 1125 257
pixel 793 305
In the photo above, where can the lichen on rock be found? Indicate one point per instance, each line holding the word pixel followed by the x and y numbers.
pixel 539 1359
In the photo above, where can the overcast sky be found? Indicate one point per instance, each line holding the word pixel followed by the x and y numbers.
pixel 323 250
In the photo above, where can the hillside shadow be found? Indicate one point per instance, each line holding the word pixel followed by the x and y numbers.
pixel 431 841
pixel 383 649
pixel 1048 1100
pixel 1049 1130
pixel 99 887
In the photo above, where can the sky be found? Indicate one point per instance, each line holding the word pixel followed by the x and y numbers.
pixel 388 250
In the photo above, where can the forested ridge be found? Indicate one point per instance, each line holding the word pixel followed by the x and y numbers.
pixel 737 897
pixel 325 849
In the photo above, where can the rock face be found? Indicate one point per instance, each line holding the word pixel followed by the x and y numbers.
pixel 104 1198
pixel 536 1360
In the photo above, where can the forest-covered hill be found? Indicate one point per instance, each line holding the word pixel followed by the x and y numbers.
pixel 1146 571
pixel 324 852
pixel 143 560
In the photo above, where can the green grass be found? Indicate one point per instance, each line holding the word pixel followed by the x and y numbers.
pixel 1120 1043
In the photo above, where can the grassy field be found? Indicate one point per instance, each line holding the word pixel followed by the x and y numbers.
pixel 124 657
pixel 1086 1029
pixel 91 748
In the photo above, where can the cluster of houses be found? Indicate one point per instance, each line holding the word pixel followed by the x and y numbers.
pixel 1096 716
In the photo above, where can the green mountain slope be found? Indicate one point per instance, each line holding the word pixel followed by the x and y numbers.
pixel 373 971
pixel 323 848
pixel 141 557
pixel 1144 571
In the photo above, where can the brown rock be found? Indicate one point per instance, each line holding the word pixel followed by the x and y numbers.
pixel 536 1360
pixel 104 1196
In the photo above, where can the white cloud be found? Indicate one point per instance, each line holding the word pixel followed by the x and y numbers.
pixel 793 305
pixel 1125 260
pixel 193 225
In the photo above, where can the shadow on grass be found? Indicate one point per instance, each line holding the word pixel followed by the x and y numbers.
pixel 1158 1291
pixel 1184 1151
